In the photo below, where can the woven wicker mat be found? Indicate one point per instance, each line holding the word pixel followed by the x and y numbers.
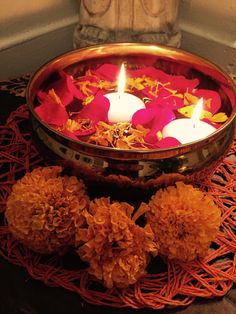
pixel 171 284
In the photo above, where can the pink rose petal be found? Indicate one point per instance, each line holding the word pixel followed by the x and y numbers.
pixel 168 142
pixel 154 119
pixel 175 82
pixel 85 132
pixel 171 102
pixel 144 117
pixel 163 92
pixel 182 84
pixel 209 94
pixel 69 134
pixel 52 113
pixel 161 119
pixel 109 72
pixel 73 89
pixel 42 97
pixel 96 111
pixel 65 89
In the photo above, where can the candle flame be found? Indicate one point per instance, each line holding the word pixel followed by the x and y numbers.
pixel 197 111
pixel 121 81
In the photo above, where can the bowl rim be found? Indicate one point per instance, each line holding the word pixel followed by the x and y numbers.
pixel 122 49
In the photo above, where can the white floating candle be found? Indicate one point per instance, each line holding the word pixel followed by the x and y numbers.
pixel 189 130
pixel 122 105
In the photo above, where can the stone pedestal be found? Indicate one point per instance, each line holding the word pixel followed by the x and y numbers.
pixel 107 21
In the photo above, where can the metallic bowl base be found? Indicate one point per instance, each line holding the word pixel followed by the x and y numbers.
pixel 141 173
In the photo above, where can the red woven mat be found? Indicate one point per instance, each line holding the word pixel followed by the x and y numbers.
pixel 174 284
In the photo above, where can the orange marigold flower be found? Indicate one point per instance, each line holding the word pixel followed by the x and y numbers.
pixel 44 209
pixel 185 221
pixel 116 248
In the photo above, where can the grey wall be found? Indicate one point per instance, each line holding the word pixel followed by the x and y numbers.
pixel 33 32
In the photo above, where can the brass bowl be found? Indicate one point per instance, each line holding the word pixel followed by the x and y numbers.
pixel 98 163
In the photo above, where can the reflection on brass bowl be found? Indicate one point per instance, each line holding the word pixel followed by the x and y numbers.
pixel 135 166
